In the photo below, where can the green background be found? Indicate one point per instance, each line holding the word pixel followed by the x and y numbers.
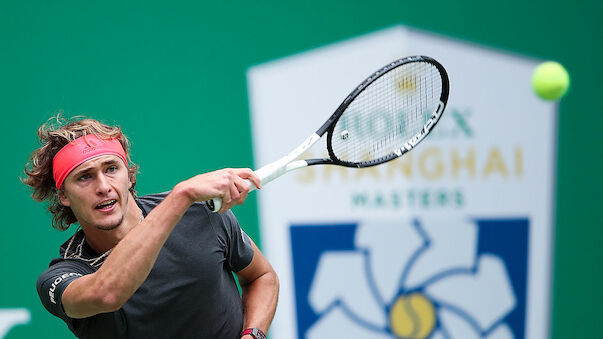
pixel 172 74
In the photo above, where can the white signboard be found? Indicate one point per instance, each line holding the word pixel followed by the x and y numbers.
pixel 451 241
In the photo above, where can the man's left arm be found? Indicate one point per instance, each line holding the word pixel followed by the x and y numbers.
pixel 259 285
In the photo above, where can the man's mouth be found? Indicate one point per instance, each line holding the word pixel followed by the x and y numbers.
pixel 107 204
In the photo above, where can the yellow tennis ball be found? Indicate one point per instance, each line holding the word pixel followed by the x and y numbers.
pixel 550 80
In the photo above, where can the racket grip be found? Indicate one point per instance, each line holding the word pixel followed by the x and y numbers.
pixel 216 203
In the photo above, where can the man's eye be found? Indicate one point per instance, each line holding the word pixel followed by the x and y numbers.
pixel 112 169
pixel 85 177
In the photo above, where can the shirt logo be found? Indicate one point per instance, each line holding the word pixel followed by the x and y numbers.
pixel 57 281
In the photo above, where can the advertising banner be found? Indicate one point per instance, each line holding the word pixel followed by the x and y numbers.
pixel 453 240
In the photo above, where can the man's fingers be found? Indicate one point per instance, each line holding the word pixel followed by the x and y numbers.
pixel 229 184
pixel 243 186
pixel 234 191
pixel 247 173
pixel 225 204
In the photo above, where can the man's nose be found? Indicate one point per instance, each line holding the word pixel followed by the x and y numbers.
pixel 102 185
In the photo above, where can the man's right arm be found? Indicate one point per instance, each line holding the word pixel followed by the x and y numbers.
pixel 130 262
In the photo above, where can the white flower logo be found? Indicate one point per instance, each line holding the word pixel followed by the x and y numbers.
pixel 412 280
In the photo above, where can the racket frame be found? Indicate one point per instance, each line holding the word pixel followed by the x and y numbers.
pixel 288 163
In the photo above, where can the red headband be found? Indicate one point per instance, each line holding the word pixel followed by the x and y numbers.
pixel 82 149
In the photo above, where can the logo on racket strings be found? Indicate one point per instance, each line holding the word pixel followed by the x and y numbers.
pixel 426 129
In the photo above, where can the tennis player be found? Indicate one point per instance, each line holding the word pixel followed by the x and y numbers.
pixel 156 266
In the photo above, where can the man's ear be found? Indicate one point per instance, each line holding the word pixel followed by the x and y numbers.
pixel 130 177
pixel 63 198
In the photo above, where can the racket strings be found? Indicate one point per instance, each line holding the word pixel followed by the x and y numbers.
pixel 388 113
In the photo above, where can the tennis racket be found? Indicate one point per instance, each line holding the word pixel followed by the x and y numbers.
pixel 387 115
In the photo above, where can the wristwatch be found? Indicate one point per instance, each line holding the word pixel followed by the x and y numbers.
pixel 255 332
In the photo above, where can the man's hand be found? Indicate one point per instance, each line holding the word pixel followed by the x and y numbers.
pixel 228 184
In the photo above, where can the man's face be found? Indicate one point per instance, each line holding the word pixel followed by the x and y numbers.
pixel 97 192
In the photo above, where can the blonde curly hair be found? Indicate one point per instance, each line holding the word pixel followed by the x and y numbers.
pixel 54 135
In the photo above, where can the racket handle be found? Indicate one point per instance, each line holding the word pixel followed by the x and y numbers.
pixel 215 204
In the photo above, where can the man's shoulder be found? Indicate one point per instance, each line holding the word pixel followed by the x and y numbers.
pixel 69 264
pixel 150 201
pixel 64 268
